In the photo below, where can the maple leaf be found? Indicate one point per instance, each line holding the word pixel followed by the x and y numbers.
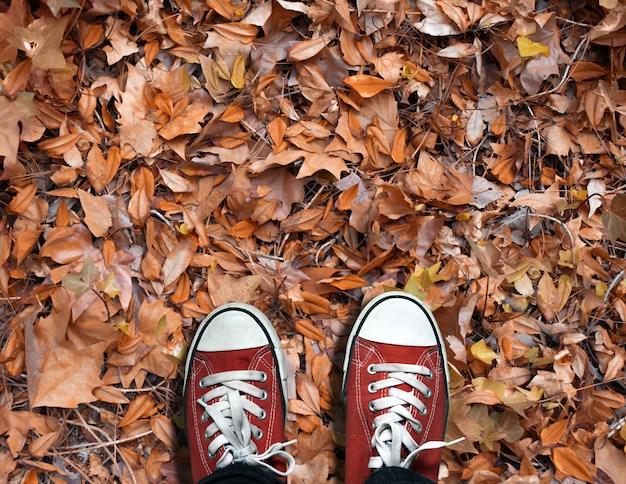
pixel 41 41
pixel 81 282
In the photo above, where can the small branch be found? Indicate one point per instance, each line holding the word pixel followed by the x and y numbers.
pixel 614 283
pixel 557 221
pixel 73 449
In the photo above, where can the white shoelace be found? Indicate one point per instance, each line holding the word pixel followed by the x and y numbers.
pixel 232 424
pixel 390 433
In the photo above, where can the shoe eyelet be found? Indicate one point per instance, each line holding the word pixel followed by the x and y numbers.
pixel 371 406
pixel 419 428
pixel 263 377
pixel 423 412
pixel 259 435
pixel 263 396
pixel 370 369
pixel 263 415
pixel 428 393
pixel 430 376
pixel 206 435
pixel 201 384
pixel 205 417
pixel 211 455
pixel 370 388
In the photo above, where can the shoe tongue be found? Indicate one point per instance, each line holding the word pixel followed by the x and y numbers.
pixel 219 361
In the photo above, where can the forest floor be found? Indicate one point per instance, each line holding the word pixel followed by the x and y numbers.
pixel 159 158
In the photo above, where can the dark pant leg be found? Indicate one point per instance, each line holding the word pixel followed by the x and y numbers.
pixel 395 475
pixel 241 474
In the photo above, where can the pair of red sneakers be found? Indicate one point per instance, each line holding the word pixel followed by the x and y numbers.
pixel 395 391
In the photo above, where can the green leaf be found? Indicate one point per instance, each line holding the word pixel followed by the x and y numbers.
pixel 81 282
pixel 614 220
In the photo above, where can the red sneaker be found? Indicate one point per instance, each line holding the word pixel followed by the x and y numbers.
pixel 236 393
pixel 395 388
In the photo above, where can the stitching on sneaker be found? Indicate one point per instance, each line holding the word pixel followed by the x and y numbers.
pixel 230 415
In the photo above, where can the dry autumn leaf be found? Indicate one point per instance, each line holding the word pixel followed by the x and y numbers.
pixel 367 86
pixel 303 157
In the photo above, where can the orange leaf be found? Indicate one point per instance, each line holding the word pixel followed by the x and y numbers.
pixel 164 430
pixel 40 446
pixel 97 214
pixel 566 461
pixel 306 49
pixel 110 394
pixel 177 261
pixel 367 86
pixel 244 33
pixel 307 329
pixel 141 407
pixel 243 229
pixel 23 199
pixel 552 434
pixel 232 114
pixel 61 144
pixel 100 171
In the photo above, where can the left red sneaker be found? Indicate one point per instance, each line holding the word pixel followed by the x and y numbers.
pixel 236 393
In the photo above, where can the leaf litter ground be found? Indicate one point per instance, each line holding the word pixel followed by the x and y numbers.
pixel 161 158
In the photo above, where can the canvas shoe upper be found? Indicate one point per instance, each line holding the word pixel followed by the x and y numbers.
pixel 235 393
pixel 395 389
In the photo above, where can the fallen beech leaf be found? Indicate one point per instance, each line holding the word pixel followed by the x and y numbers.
pixel 141 407
pixel 308 330
pixel 165 431
pixel 110 394
pixel 367 86
pixel 101 170
pixel 548 298
pixel 20 202
pixel 39 447
pixel 553 433
pixel 566 461
pixel 175 182
pixel 97 215
pixel 177 261
pixel 306 49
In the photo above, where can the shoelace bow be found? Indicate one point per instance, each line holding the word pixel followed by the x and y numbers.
pixel 229 420
pixel 390 434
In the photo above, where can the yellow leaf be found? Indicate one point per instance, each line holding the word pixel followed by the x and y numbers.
pixel 108 286
pixel 483 353
pixel 237 78
pixel 123 327
pixel 527 48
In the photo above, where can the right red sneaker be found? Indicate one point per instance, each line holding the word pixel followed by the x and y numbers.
pixel 395 389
